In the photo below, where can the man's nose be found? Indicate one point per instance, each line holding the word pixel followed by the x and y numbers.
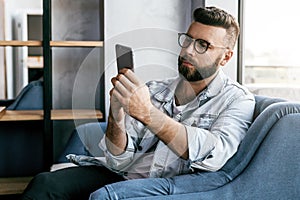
pixel 190 49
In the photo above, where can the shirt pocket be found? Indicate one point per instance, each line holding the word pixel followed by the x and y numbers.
pixel 204 121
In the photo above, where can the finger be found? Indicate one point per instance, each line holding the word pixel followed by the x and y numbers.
pixel 119 97
pixel 132 77
pixel 126 83
pixel 110 92
pixel 123 71
pixel 119 86
pixel 114 80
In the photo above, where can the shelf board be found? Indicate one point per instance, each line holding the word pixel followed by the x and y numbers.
pixel 16 43
pixel 22 115
pixel 76 43
pixel 76 114
pixel 31 115
pixel 35 43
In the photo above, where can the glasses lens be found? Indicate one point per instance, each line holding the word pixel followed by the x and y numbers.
pixel 184 40
pixel 201 46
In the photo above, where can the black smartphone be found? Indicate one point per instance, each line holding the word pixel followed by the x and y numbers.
pixel 124 57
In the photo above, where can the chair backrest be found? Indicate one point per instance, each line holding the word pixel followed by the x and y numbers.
pixel 269 111
pixel 262 102
pixel 30 98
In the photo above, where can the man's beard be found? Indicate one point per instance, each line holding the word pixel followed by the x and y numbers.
pixel 200 72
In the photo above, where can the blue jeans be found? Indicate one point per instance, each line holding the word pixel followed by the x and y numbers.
pixel 133 188
pixel 158 187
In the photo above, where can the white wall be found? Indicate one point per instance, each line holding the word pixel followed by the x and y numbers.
pixel 12 9
pixel 150 28
pixel 231 7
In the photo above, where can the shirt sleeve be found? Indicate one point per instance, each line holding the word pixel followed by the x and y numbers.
pixel 118 162
pixel 210 149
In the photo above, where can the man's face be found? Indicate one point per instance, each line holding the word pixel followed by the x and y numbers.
pixel 194 66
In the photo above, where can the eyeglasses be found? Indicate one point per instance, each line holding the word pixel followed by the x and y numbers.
pixel 201 46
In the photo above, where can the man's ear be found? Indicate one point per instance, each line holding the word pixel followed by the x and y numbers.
pixel 227 56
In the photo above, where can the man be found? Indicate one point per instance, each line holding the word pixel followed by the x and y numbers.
pixel 165 129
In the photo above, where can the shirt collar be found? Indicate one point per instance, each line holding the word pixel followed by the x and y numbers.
pixel 168 92
pixel 216 85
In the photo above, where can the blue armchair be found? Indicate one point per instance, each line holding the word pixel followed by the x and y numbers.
pixel 266 166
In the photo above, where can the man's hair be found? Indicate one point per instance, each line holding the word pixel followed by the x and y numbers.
pixel 213 16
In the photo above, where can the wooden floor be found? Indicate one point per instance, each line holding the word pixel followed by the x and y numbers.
pixel 13 186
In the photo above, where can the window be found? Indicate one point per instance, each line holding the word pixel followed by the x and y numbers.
pixel 271 48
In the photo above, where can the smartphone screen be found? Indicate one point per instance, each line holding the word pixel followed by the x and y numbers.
pixel 124 57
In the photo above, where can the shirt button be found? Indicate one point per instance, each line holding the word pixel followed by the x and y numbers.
pixel 140 148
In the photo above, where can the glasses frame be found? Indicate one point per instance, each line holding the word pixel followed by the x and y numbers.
pixel 196 40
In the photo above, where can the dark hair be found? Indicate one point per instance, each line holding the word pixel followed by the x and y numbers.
pixel 217 17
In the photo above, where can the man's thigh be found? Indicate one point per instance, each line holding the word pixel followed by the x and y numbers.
pixel 133 188
pixel 70 183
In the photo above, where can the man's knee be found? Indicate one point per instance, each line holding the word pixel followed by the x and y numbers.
pixel 44 178
pixel 100 194
pixel 41 186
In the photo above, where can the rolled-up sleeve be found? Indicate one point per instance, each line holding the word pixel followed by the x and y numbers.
pixel 118 162
pixel 210 149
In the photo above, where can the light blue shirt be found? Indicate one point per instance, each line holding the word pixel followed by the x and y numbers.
pixel 216 121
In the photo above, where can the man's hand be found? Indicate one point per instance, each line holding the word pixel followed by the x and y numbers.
pixel 116 110
pixel 134 98
pixel 132 95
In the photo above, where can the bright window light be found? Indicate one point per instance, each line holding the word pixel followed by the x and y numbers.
pixel 272 48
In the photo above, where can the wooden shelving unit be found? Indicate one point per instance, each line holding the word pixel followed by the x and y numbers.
pixel 16 185
pixel 49 113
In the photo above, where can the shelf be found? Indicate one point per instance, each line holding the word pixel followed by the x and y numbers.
pixel 76 43
pixel 15 185
pixel 31 115
pixel 34 43
pixel 75 114
pixel 22 115
pixel 16 43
